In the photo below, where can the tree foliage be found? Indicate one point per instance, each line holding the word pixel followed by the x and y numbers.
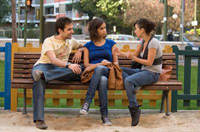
pixel 112 11
pixel 154 10
pixel 123 13
pixel 188 14
pixel 149 9
pixel 5 9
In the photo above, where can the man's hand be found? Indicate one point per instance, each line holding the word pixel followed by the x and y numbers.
pixel 105 62
pixel 77 57
pixel 75 68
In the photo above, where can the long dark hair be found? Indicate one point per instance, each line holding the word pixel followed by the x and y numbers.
pixel 148 25
pixel 93 26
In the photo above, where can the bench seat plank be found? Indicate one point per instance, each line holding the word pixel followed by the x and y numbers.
pixel 160 85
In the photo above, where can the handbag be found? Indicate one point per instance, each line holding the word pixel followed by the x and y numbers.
pixel 166 73
pixel 135 65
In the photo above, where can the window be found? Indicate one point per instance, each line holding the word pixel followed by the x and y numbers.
pixel 49 10
pixel 68 7
pixel 57 10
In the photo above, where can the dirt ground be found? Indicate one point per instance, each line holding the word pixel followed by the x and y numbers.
pixel 182 121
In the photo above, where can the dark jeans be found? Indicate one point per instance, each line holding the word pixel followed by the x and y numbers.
pixel 51 72
pixel 134 78
pixel 99 81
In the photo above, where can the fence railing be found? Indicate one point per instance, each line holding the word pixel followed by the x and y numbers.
pixel 7 75
pixel 188 54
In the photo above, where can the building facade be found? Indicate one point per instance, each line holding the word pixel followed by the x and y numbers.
pixel 52 10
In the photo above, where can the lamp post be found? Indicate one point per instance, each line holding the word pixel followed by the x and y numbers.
pixel 19 4
pixel 195 18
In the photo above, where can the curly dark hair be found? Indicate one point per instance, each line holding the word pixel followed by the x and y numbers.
pixel 93 26
pixel 148 25
pixel 61 22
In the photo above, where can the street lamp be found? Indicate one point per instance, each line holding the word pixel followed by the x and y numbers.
pixel 174 16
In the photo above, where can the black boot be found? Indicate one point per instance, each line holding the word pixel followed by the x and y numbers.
pixel 135 115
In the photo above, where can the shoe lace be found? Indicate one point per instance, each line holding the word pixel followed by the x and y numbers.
pixel 85 106
pixel 106 119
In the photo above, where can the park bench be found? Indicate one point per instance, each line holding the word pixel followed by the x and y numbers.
pixel 24 61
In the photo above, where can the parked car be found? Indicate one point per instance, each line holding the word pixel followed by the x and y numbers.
pixel 122 37
pixel 185 39
pixel 189 43
pixel 159 37
pixel 176 38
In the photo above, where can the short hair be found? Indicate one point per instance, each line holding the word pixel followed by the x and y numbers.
pixel 61 22
pixel 93 26
pixel 148 25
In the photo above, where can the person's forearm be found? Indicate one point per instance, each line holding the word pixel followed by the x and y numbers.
pixel 59 63
pixel 142 61
pixel 122 54
pixel 95 65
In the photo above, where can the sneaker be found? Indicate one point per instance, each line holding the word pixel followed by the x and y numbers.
pixel 106 121
pixel 41 124
pixel 84 110
pixel 37 74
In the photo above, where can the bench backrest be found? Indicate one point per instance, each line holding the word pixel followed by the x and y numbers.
pixel 23 63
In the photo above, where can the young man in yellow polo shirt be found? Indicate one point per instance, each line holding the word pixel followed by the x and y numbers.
pixel 53 64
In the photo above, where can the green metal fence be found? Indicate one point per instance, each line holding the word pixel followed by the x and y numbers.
pixel 188 54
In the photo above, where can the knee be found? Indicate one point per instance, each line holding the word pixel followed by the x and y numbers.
pixel 100 69
pixel 103 82
pixel 128 83
pixel 103 79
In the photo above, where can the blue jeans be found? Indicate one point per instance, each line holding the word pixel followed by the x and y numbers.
pixel 137 77
pixel 99 81
pixel 50 72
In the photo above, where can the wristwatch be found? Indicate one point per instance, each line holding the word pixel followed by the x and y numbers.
pixel 67 64
pixel 80 49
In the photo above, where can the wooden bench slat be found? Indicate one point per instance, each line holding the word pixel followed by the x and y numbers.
pixel 17 71
pixel 21 66
pixel 29 56
pixel 22 76
pixel 20 61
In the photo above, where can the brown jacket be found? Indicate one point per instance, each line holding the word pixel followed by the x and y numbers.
pixel 115 80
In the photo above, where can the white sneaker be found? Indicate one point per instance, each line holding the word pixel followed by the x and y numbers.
pixel 84 110
pixel 106 121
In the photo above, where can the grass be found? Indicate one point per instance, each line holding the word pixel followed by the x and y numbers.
pixel 1 81
pixel 49 102
pixel 193 90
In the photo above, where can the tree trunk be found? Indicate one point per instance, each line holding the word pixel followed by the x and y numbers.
pixel 14 24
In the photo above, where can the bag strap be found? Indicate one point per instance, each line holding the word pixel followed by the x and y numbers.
pixel 157 61
pixel 146 48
